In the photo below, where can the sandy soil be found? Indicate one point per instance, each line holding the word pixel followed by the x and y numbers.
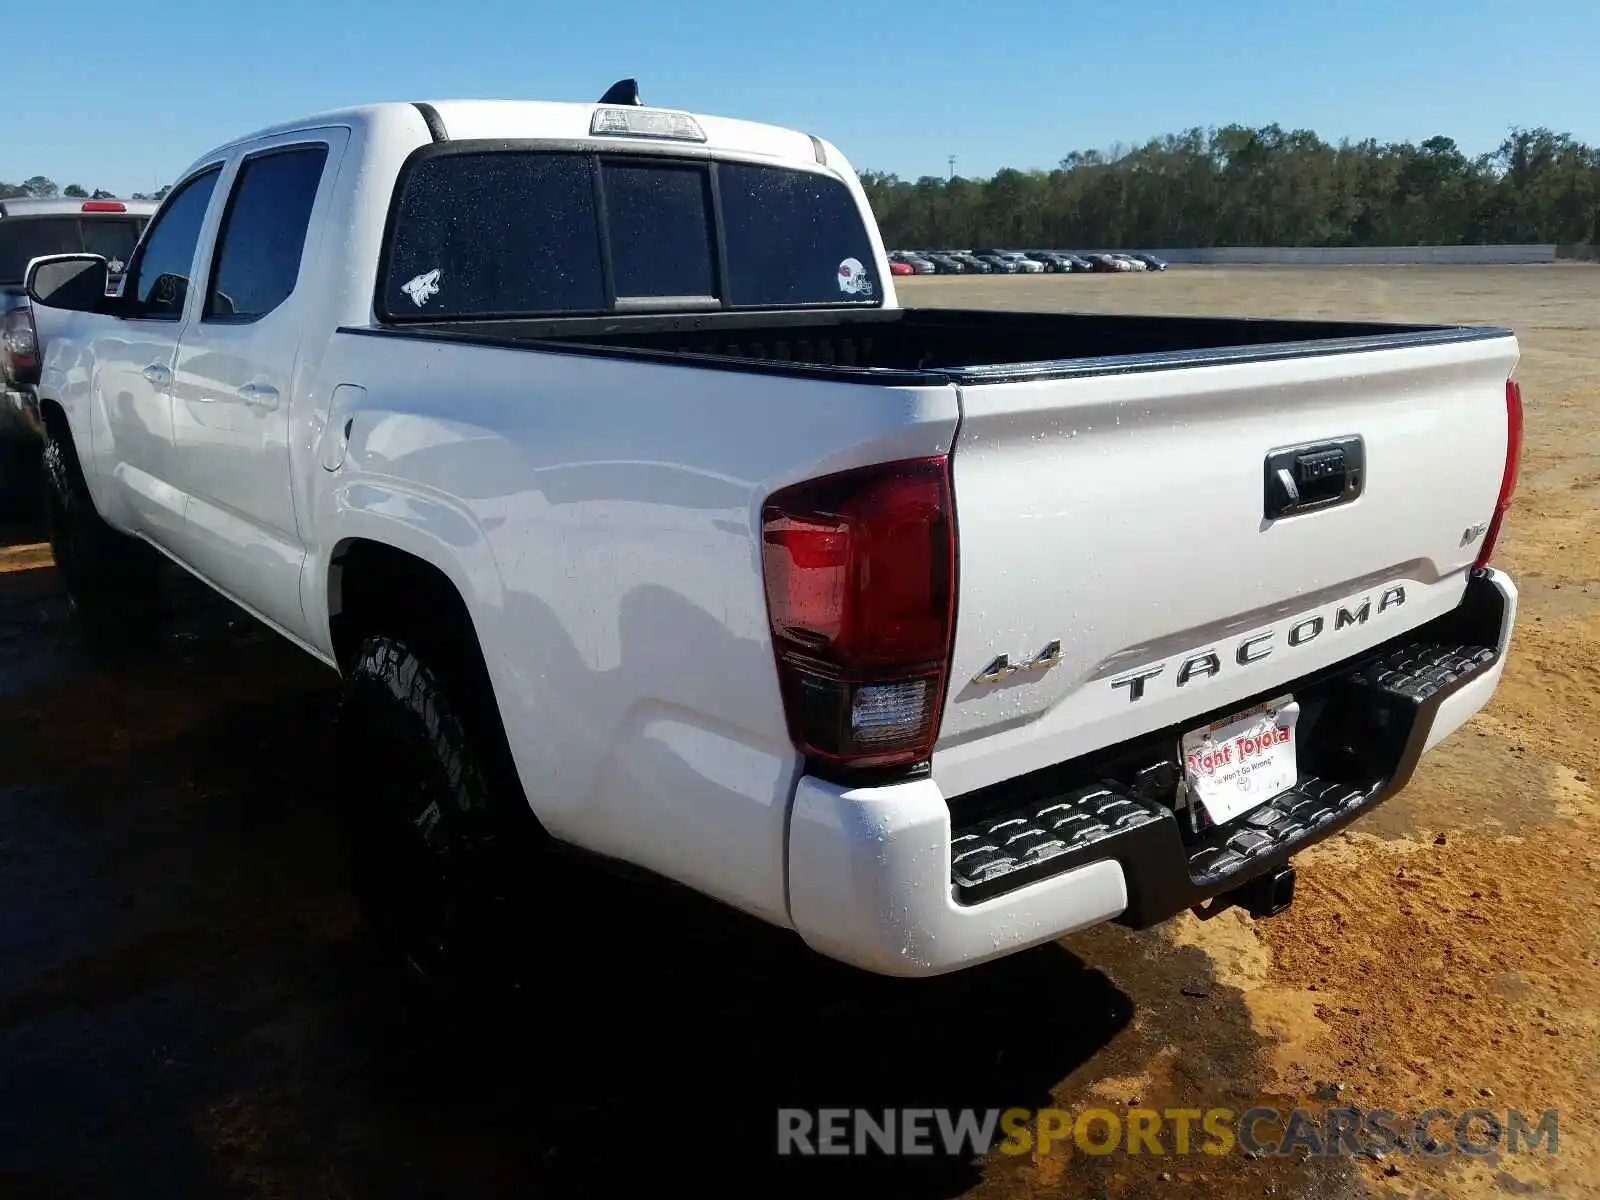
pixel 189 1004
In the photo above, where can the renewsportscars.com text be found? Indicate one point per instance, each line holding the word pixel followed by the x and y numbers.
pixel 1477 1132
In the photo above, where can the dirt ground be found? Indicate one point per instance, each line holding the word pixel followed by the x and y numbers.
pixel 190 1006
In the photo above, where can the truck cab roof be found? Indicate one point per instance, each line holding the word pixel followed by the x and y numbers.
pixel 545 120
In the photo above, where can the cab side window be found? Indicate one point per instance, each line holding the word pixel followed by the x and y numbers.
pixel 263 233
pixel 158 281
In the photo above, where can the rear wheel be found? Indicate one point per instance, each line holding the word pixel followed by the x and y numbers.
pixel 440 856
pixel 113 581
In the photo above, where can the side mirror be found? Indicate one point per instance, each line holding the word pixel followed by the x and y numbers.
pixel 76 282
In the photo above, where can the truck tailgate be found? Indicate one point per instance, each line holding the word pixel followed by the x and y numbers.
pixel 1124 514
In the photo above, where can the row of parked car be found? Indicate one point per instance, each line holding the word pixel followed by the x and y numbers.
pixel 1017 262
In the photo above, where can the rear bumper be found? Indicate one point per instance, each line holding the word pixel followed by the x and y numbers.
pixel 897 881
pixel 19 415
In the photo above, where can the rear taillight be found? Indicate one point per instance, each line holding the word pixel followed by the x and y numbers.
pixel 860 575
pixel 19 347
pixel 104 206
pixel 1508 480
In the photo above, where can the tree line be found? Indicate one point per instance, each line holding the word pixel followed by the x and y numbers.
pixel 41 188
pixel 1234 186
pixel 1238 186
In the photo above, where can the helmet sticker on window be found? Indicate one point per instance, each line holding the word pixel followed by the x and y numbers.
pixel 423 288
pixel 853 279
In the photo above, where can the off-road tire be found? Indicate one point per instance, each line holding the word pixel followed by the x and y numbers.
pixel 440 854
pixel 113 581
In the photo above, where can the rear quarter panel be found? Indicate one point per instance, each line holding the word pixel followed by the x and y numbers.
pixel 601 519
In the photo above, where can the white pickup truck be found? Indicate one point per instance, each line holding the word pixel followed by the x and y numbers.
pixel 589 443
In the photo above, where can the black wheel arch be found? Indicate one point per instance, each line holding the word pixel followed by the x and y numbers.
pixel 376 589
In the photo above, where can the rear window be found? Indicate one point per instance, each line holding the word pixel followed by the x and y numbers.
pixel 508 233
pixel 658 220
pixel 479 234
pixel 793 238
pixel 25 238
pixel 111 237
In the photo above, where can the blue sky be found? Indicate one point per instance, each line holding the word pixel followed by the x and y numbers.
pixel 123 95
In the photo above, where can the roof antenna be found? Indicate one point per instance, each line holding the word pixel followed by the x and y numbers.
pixel 623 91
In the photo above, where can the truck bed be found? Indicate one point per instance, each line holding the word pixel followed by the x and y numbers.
pixel 926 344
pixel 1121 518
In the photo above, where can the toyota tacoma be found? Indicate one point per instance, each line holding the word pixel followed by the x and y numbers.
pixel 590 445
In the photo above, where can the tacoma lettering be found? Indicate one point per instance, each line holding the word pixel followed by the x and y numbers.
pixel 1248 649
pixel 1201 664
pixel 1135 683
pixel 1305 631
pixel 1346 617
pixel 1258 647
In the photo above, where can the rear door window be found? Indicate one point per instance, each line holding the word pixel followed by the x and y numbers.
pixel 264 233
pixel 514 232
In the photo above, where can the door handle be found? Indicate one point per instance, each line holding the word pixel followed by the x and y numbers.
pixel 1314 476
pixel 262 395
pixel 158 374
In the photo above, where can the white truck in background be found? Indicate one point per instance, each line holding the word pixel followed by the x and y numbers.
pixel 31 227
pixel 590 444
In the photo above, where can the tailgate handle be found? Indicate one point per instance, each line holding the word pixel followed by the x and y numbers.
pixel 1314 476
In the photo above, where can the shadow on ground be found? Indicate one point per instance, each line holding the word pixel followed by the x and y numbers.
pixel 190 1004
pixel 189 1001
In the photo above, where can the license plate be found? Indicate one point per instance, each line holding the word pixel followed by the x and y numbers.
pixel 1239 762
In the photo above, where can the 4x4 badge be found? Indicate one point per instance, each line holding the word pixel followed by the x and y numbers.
pixel 1004 668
